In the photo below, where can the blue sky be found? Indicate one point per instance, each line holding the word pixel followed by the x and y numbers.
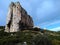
pixel 45 13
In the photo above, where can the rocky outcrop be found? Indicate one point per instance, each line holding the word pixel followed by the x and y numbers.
pixel 17 18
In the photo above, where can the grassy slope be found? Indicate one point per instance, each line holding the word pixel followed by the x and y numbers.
pixel 54 36
pixel 29 36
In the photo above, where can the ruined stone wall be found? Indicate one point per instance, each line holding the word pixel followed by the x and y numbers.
pixel 17 18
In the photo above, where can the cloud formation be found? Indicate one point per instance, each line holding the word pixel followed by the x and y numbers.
pixel 55 29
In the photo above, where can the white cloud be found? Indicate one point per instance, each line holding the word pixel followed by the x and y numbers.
pixel 55 29
pixel 50 23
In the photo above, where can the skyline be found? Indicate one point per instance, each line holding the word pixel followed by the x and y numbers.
pixel 45 13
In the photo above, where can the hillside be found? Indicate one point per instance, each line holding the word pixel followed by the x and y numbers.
pixel 30 37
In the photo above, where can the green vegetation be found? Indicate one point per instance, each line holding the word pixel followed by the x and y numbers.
pixel 32 38
pixel 55 40
pixel 20 37
pixel 2 27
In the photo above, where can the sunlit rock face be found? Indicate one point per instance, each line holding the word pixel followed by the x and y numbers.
pixel 17 18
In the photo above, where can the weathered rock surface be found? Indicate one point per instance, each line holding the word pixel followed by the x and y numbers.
pixel 17 18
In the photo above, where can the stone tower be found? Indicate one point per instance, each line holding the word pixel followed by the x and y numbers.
pixel 17 18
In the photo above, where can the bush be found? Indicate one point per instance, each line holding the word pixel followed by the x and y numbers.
pixel 41 40
pixel 55 42
pixel 36 29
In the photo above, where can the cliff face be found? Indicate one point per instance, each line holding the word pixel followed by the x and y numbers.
pixel 17 18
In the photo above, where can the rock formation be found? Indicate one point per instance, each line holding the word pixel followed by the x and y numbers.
pixel 17 18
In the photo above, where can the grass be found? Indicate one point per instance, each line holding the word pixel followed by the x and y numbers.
pixel 31 37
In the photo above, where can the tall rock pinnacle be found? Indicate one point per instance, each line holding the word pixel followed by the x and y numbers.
pixel 17 18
